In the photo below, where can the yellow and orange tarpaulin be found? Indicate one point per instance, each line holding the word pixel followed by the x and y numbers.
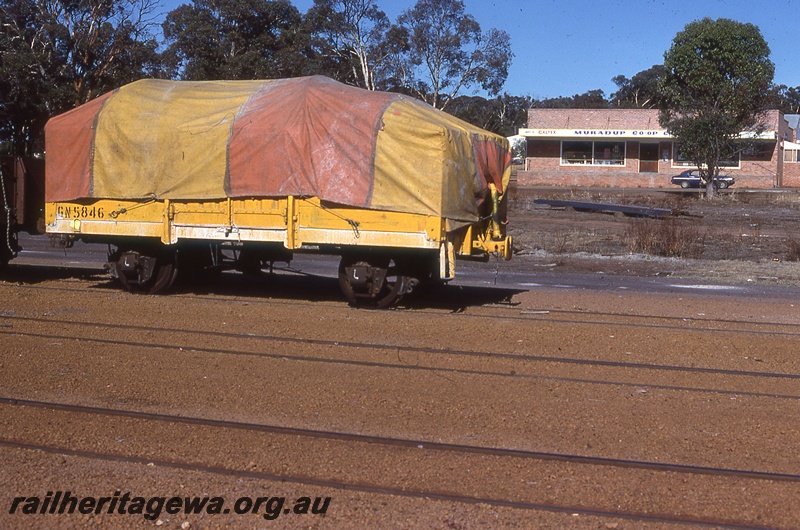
pixel 308 136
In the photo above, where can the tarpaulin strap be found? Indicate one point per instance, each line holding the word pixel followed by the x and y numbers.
pixel 117 213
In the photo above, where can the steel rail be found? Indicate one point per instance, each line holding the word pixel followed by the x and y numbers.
pixel 543 314
pixel 383 490
pixel 411 349
pixel 406 366
pixel 407 443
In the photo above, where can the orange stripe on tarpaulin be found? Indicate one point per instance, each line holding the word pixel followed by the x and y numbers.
pixel 306 136
pixel 69 141
pixel 493 161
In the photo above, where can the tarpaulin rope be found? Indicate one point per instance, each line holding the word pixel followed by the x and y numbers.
pixel 7 208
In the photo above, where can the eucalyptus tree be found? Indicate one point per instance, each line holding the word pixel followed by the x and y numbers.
pixel 447 52
pixel 786 99
pixel 503 115
pixel 352 34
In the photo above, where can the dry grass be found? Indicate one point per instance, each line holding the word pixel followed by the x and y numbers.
pixel 740 226
pixel 665 237
pixel 793 250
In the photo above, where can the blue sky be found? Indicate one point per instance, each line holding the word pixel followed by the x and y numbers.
pixel 568 47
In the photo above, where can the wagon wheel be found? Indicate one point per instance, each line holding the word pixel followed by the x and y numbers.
pixel 371 281
pixel 137 281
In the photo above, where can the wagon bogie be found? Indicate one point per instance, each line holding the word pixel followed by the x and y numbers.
pixel 143 269
pixel 374 281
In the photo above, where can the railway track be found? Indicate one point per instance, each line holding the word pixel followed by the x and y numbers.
pixel 599 467
pixel 404 443
pixel 518 372
pixel 577 417
pixel 638 518
pixel 520 364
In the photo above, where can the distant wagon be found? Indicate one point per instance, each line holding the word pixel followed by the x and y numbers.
pixel 184 176
pixel 21 202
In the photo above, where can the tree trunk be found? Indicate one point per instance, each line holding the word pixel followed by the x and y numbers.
pixel 711 191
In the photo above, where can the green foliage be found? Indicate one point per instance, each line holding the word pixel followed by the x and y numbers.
pixel 55 55
pixel 640 91
pixel 25 91
pixel 502 115
pixel 716 84
pixel 785 99
pixel 234 39
pixel 593 99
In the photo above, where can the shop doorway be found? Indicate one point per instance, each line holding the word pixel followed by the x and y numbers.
pixel 648 158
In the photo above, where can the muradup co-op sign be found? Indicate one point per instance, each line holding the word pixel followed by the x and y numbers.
pixel 628 134
pixel 593 133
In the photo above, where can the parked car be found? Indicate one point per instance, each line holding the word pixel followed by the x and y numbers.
pixel 691 179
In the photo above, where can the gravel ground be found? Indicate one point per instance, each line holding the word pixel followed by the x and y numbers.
pixel 244 389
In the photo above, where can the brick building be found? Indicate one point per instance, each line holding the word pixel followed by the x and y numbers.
pixel 628 148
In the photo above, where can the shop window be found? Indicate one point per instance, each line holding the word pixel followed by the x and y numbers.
pixel 680 160
pixel 758 151
pixel 732 160
pixel 593 153
pixel 609 153
pixel 576 152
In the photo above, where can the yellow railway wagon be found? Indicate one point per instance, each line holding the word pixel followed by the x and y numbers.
pixel 183 176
